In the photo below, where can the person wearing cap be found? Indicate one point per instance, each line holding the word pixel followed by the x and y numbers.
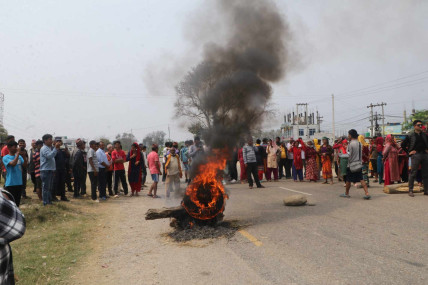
pixel 80 169
pixel 103 165
pixel 61 169
pixel 93 169
pixel 48 167
pixel 14 163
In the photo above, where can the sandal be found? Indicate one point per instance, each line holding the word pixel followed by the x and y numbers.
pixel 156 196
pixel 150 195
pixel 344 195
pixel 367 197
pixel 325 182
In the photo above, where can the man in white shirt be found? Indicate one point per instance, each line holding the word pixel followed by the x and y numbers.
pixel 93 169
pixel 103 163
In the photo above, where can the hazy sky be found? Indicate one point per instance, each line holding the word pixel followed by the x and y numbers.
pixel 92 68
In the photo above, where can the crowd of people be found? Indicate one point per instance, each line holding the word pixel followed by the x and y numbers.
pixel 354 160
pixel 54 169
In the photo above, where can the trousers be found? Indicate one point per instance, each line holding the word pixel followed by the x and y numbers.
pixel 252 171
pixel 419 159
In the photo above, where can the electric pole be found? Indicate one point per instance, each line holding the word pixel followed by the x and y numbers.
pixel 383 120
pixel 332 101
pixel 383 117
pixel 371 119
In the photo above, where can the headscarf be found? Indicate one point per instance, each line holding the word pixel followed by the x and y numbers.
pixel 390 139
pixel 137 146
pixel 379 144
pixel 317 144
pixel 343 148
pixel 362 140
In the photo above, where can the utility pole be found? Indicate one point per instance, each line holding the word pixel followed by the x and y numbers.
pixel 383 116
pixel 169 134
pixel 332 101
pixel 383 120
pixel 371 119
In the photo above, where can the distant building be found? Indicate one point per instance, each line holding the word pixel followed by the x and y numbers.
pixel 302 124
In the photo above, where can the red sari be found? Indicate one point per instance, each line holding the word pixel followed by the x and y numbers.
pixel 311 163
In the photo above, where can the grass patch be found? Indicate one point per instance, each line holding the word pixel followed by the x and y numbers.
pixel 55 241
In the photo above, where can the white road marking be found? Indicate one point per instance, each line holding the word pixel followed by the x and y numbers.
pixel 295 191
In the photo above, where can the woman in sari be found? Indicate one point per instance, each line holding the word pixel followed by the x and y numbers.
pixel 365 158
pixel 311 161
pixel 134 168
pixel 272 162
pixel 391 172
pixel 326 152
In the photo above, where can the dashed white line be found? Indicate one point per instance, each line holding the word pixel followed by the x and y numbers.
pixel 295 191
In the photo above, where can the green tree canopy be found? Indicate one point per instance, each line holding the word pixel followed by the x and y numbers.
pixel 418 115
pixel 157 137
pixel 126 139
pixel 3 133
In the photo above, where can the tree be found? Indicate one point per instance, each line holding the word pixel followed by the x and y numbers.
pixel 3 133
pixel 218 99
pixel 418 115
pixel 126 139
pixel 157 137
pixel 105 140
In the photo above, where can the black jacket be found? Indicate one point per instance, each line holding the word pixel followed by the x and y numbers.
pixel 410 141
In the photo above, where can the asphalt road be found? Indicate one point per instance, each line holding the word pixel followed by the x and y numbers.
pixel 337 241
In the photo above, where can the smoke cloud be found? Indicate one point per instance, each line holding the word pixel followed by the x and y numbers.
pixel 233 79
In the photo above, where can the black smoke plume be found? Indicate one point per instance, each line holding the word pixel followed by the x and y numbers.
pixel 228 93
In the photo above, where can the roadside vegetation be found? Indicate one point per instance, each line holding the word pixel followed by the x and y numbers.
pixel 55 242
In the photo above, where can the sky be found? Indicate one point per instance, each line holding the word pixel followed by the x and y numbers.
pixel 98 68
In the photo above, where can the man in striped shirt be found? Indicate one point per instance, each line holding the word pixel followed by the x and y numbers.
pixel 36 161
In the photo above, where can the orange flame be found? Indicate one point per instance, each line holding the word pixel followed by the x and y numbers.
pixel 205 196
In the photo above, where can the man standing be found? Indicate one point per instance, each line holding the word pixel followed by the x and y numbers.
pixel 416 145
pixel 24 153
pixel 119 158
pixel 154 167
pixel 109 170
pixel 282 161
pixel 250 160
pixel 79 169
pixel 31 165
pixel 15 161
pixel 184 156
pixel 61 169
pixel 354 172
pixel 103 164
pixel 164 154
pixel 93 169
pixel 173 172
pixel 47 167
